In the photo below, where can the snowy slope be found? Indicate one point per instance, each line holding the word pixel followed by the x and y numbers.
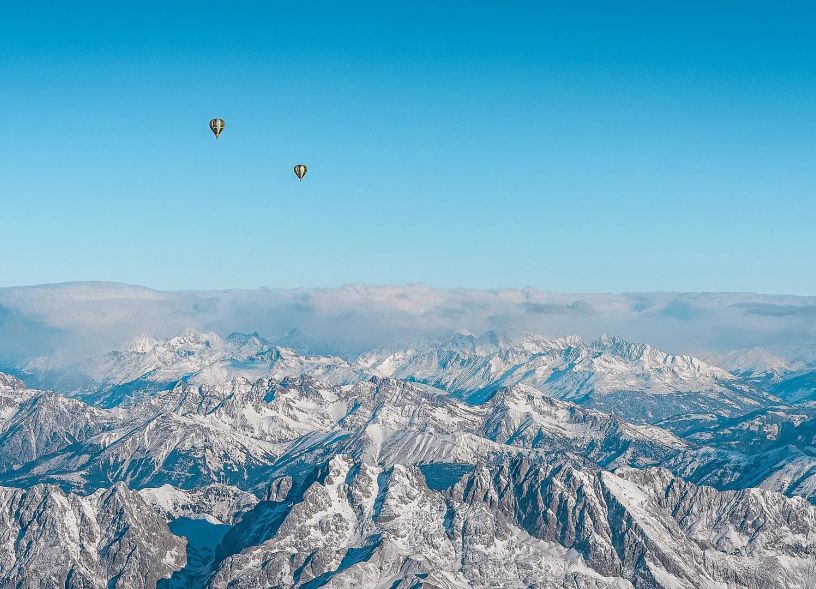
pixel 219 504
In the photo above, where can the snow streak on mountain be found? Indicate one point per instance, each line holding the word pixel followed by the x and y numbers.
pixel 202 461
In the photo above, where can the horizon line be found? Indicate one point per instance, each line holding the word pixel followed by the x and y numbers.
pixel 423 285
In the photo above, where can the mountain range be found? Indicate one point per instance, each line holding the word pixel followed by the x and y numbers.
pixel 492 461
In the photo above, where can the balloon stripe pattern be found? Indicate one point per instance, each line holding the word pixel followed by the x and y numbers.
pixel 300 171
pixel 216 126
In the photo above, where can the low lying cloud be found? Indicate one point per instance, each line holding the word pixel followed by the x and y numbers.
pixel 77 320
pixel 774 310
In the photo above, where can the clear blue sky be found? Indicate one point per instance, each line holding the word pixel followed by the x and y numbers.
pixel 570 146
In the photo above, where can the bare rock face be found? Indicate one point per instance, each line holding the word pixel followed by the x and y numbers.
pixel 111 539
pixel 279 489
pixel 366 526
pixel 651 527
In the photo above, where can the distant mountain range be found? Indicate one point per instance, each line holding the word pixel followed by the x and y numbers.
pixel 493 461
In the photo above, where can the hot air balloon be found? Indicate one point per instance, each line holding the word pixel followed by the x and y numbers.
pixel 300 171
pixel 216 126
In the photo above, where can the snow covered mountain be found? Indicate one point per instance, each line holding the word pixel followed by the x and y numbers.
pixel 757 364
pixel 244 434
pixel 476 462
pixel 652 528
pixel 149 365
pixel 110 539
pixel 792 378
pixel 519 523
pixel 241 432
pixel 773 448
pixel 365 526
pixel 635 381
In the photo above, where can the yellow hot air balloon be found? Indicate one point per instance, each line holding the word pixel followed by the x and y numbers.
pixel 300 171
pixel 216 126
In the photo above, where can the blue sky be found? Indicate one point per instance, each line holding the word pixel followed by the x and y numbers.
pixel 587 146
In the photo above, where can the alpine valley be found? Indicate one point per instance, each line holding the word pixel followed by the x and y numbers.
pixel 506 461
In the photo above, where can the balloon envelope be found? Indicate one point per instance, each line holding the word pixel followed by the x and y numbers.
pixel 300 171
pixel 216 126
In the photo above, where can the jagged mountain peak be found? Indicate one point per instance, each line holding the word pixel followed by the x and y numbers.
pixel 112 539
pixel 12 389
pixel 676 534
pixel 13 392
pixel 610 373
pixel 383 527
pixel 188 340
pixel 152 365
pixel 620 347
pixel 10 383
pixel 243 338
pixel 650 356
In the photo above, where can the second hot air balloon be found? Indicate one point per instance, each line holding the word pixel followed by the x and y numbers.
pixel 216 126
pixel 300 171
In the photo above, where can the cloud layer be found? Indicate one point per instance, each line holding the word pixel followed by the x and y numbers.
pixel 80 319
